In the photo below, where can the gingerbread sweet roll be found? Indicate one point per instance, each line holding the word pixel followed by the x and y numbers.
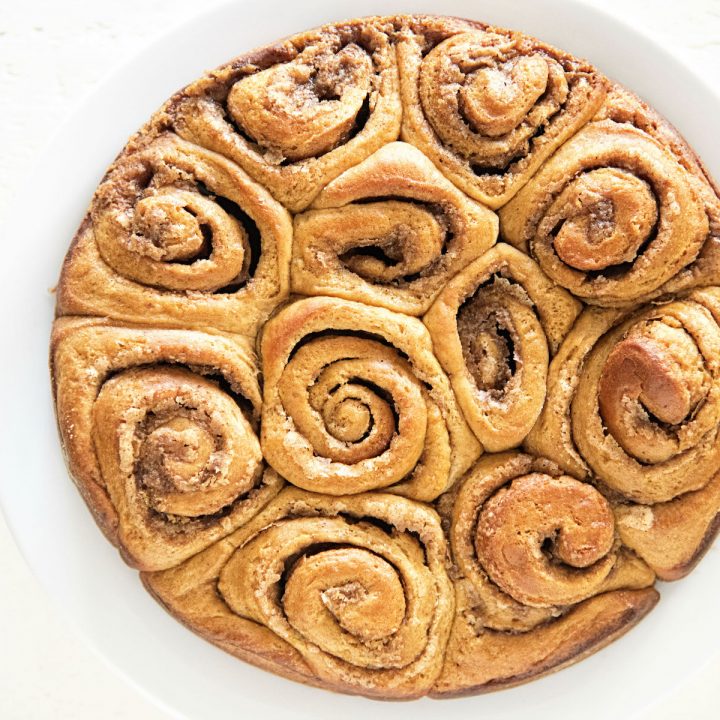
pixel 178 236
pixel 160 434
pixel 355 585
pixel 355 400
pixel 390 232
pixel 494 327
pixel 488 105
pixel 541 576
pixel 328 99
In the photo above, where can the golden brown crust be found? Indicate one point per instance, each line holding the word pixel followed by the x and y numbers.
pixel 673 536
pixel 351 638
pixel 494 341
pixel 425 234
pixel 633 400
pixel 356 166
pixel 188 593
pixel 540 575
pixel 178 236
pixel 646 228
pixel 355 400
pixel 494 661
pixel 489 105
pixel 167 458
pixel 308 81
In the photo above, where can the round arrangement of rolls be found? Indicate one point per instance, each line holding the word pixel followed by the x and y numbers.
pixel 389 355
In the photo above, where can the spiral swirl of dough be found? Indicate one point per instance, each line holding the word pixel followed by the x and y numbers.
pixel 539 573
pixel 357 585
pixel 612 216
pixel 493 328
pixel 166 457
pixel 396 253
pixel 490 106
pixel 330 99
pixel 647 409
pixel 529 541
pixel 355 400
pixel 634 398
pixel 178 235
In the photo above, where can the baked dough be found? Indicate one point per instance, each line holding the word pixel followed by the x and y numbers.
pixel 390 356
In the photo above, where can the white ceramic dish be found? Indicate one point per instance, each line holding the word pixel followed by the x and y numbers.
pixel 55 532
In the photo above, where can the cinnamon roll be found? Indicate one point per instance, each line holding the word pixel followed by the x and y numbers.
pixel 621 213
pixel 356 586
pixel 488 106
pixel 160 435
pixel 354 400
pixel 623 106
pixel 329 98
pixel 178 236
pixel 541 575
pixel 634 400
pixel 286 334
pixel 493 327
pixel 397 253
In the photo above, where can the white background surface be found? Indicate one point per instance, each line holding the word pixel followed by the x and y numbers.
pixel 52 53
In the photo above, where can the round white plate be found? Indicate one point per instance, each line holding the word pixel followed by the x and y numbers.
pixel 55 531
